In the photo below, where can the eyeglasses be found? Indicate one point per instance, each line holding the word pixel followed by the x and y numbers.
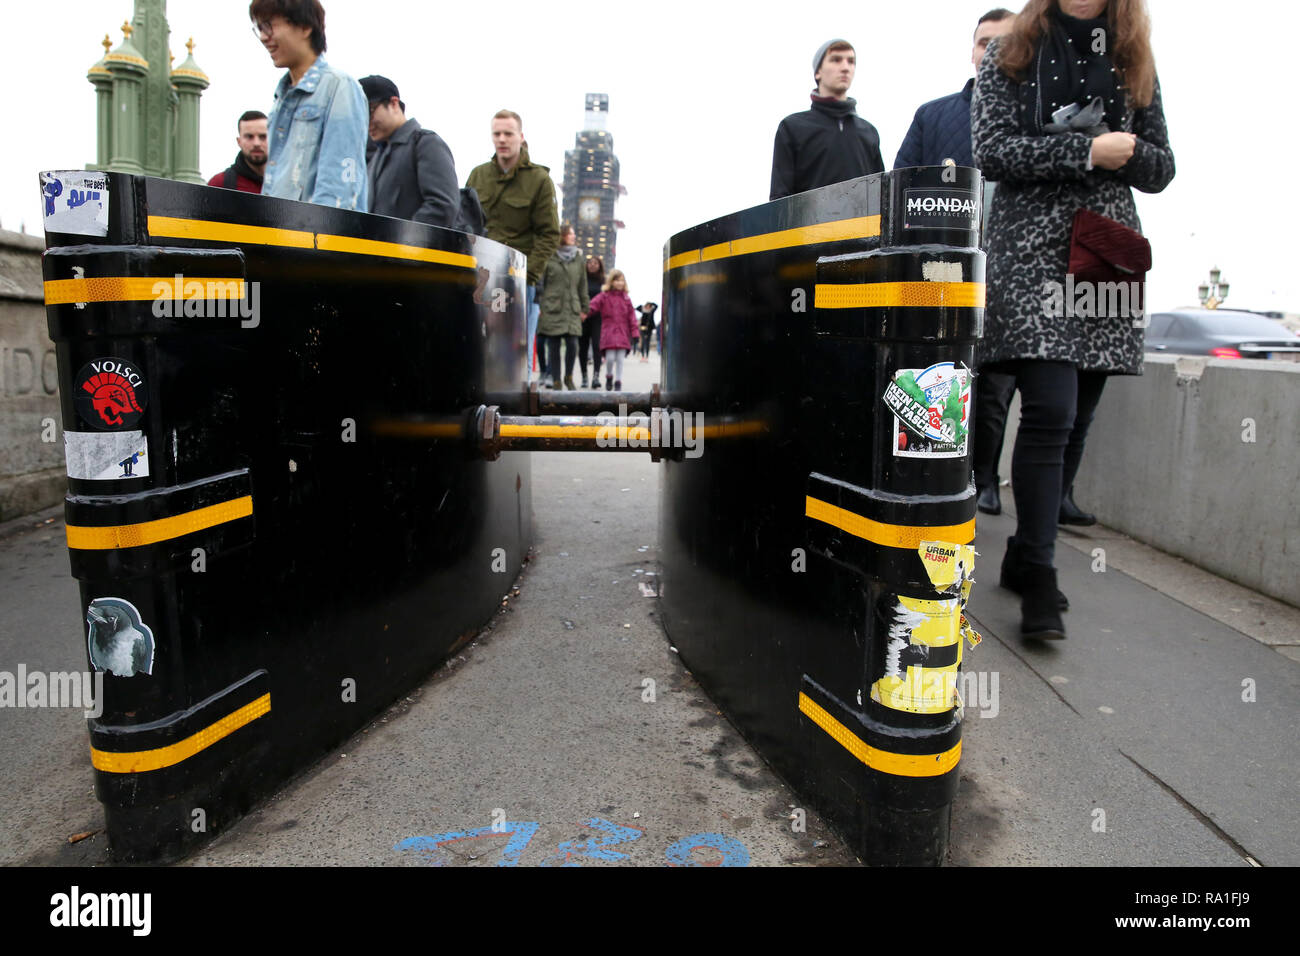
pixel 375 105
pixel 263 28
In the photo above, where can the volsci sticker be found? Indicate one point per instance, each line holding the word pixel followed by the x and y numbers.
pixel 75 202
pixel 110 393
pixel 106 456
pixel 931 409
pixel 119 641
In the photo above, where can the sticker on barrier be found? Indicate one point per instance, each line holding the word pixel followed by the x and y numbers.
pixel 118 639
pixel 106 456
pixel 950 566
pixel 931 409
pixel 75 202
pixel 920 633
pixel 110 393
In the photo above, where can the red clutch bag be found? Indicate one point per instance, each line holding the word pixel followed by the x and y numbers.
pixel 1103 250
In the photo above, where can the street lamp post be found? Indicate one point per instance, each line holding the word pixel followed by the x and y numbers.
pixel 1213 293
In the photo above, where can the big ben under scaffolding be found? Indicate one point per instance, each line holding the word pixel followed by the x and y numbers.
pixel 591 184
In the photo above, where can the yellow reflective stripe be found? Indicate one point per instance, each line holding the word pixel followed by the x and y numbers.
pixel 109 537
pixel 890 535
pixel 143 760
pixel 862 227
pixel 877 295
pixel 901 765
pixel 140 288
pixel 392 250
pixel 682 259
pixel 171 228
pixel 610 431
pixel 168 227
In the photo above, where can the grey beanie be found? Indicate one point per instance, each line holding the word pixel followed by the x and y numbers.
pixel 821 54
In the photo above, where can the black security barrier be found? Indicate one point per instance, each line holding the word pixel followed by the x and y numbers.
pixel 265 562
pixel 816 573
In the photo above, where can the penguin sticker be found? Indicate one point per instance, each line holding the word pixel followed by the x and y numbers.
pixel 118 640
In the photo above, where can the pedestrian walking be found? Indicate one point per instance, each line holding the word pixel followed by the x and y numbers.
pixel 1067 118
pixel 564 301
pixel 518 198
pixel 647 313
pixel 317 128
pixel 618 328
pixel 590 338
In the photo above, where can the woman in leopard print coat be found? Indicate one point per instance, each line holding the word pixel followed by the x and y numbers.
pixel 1094 53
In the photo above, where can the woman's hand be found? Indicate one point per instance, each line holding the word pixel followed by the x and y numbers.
pixel 1113 150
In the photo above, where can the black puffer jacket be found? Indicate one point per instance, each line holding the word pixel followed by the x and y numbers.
pixel 826 144
pixel 940 130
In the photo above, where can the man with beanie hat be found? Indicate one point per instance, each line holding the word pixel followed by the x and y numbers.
pixel 830 142
pixel 411 172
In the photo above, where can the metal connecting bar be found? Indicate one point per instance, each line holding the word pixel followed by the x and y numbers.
pixel 533 400
pixel 636 433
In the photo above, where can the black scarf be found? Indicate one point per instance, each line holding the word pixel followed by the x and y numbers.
pixel 1070 69
pixel 243 168
pixel 833 107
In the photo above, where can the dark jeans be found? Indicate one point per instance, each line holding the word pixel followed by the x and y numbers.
pixel 590 340
pixel 645 343
pixel 993 392
pixel 1057 403
pixel 553 355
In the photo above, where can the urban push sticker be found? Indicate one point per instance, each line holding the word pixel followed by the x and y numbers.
pixel 106 456
pixel 951 567
pixel 120 642
pixel 75 202
pixel 931 409
pixel 110 393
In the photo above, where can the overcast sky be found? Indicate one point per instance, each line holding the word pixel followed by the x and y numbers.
pixel 696 92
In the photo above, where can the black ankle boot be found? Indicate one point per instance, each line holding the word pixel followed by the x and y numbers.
pixel 1072 513
pixel 1013 574
pixel 989 500
pixel 1040 617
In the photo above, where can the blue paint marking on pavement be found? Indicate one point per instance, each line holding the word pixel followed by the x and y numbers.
pixel 428 848
pixel 733 851
pixel 596 847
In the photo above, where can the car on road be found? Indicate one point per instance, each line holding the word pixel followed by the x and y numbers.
pixel 1222 333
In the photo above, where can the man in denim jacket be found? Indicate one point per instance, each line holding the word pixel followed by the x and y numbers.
pixel 318 123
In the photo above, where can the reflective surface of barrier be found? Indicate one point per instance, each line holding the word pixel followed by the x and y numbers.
pixel 816 561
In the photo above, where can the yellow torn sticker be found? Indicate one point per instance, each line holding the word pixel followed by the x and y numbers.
pixel 914 688
pixel 950 566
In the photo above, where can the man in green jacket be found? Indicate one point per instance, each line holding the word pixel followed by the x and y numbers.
pixel 518 200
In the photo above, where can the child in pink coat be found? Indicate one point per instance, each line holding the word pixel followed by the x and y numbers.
pixel 618 327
